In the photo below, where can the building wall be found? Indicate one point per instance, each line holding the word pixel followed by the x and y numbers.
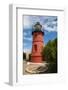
pixel 37 47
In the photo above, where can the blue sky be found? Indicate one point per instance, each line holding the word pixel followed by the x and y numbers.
pixel 49 26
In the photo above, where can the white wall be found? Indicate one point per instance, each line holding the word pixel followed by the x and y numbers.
pixel 4 38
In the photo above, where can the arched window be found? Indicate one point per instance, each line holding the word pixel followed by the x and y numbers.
pixel 35 48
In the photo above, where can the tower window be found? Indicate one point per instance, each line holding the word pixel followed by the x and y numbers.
pixel 35 48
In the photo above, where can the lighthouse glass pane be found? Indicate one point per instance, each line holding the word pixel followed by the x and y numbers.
pixel 39 45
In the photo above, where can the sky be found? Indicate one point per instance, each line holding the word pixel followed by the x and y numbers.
pixel 49 26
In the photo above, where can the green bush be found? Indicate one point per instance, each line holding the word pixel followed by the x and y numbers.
pixel 50 52
pixel 52 68
pixel 50 55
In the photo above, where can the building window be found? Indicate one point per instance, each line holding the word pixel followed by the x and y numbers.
pixel 35 48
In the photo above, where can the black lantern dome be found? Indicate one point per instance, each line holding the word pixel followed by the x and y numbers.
pixel 37 28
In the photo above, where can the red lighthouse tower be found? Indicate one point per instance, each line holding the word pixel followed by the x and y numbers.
pixel 37 43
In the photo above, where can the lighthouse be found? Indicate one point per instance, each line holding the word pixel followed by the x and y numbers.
pixel 37 43
pixel 37 65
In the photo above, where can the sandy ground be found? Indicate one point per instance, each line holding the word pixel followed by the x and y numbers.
pixel 30 68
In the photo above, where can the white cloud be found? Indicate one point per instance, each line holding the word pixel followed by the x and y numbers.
pixel 47 28
pixel 49 22
pixel 25 44
pixel 25 34
pixel 27 50
pixel 51 25
pixel 27 22
pixel 28 38
pixel 50 29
